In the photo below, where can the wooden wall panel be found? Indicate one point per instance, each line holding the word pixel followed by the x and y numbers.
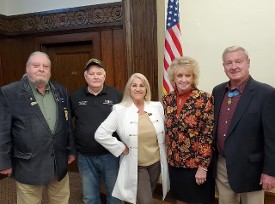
pixel 127 42
pixel 1 75
pixel 106 44
pixel 22 34
pixel 107 56
pixel 119 64
pixel 71 37
pixel 68 61
pixel 113 57
pixel 141 40
pixel 14 53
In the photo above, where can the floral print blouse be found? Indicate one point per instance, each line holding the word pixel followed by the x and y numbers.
pixel 189 136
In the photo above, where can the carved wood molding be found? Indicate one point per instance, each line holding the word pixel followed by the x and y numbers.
pixel 63 19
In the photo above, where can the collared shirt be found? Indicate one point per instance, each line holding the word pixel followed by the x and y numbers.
pixel 227 111
pixel 46 104
pixel 181 99
pixel 89 111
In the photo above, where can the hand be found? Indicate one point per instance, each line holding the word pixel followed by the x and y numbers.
pixel 71 158
pixel 126 150
pixel 267 182
pixel 200 176
pixel 7 172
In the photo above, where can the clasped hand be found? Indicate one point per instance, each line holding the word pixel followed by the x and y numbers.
pixel 7 172
pixel 200 176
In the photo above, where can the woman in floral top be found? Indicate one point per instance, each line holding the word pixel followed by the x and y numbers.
pixel 189 138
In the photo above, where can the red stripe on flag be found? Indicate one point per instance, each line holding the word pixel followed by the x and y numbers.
pixel 172 44
pixel 169 50
pixel 166 65
pixel 176 41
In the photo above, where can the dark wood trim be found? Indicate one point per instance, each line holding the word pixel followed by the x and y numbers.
pixel 140 27
pixel 128 37
pixel 1 68
pixel 71 37
pixel 269 198
pixel 94 16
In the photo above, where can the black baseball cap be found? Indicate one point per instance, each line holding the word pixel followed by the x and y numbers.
pixel 93 61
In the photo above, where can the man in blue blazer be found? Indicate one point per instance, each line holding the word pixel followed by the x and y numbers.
pixel 36 141
pixel 245 141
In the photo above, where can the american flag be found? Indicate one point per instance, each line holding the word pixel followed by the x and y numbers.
pixel 172 47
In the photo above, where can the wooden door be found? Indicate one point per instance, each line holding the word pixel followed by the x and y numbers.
pixel 68 61
pixel 69 54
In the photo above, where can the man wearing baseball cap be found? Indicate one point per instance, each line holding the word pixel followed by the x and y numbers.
pixel 90 106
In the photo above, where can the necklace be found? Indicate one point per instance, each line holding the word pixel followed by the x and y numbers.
pixel 231 94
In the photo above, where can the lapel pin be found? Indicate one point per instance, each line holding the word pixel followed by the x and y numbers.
pixel 34 103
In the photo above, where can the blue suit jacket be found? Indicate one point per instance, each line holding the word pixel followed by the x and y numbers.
pixel 245 146
pixel 27 144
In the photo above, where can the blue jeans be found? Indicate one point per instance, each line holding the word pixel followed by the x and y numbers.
pixel 92 169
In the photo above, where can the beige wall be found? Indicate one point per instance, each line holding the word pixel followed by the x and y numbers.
pixel 3 6
pixel 14 7
pixel 210 26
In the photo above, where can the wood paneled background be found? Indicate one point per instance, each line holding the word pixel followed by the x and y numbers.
pixel 122 35
pixel 70 37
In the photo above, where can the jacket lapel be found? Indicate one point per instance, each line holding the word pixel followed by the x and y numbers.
pixel 35 109
pixel 58 100
pixel 243 103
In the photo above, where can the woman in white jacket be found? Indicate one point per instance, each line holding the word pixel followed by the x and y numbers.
pixel 139 123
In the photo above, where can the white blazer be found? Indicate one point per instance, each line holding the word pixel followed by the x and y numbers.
pixel 124 120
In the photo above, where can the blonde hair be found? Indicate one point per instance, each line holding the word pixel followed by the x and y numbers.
pixel 189 64
pixel 127 100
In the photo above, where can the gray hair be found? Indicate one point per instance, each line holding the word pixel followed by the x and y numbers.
pixel 233 49
pixel 37 53
pixel 86 71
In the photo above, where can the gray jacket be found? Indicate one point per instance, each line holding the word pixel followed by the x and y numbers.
pixel 27 145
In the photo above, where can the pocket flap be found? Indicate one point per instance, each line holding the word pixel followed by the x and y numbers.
pixel 22 155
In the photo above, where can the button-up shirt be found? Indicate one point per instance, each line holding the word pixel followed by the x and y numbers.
pixel 226 114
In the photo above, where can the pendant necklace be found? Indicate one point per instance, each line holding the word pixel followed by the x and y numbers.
pixel 231 94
